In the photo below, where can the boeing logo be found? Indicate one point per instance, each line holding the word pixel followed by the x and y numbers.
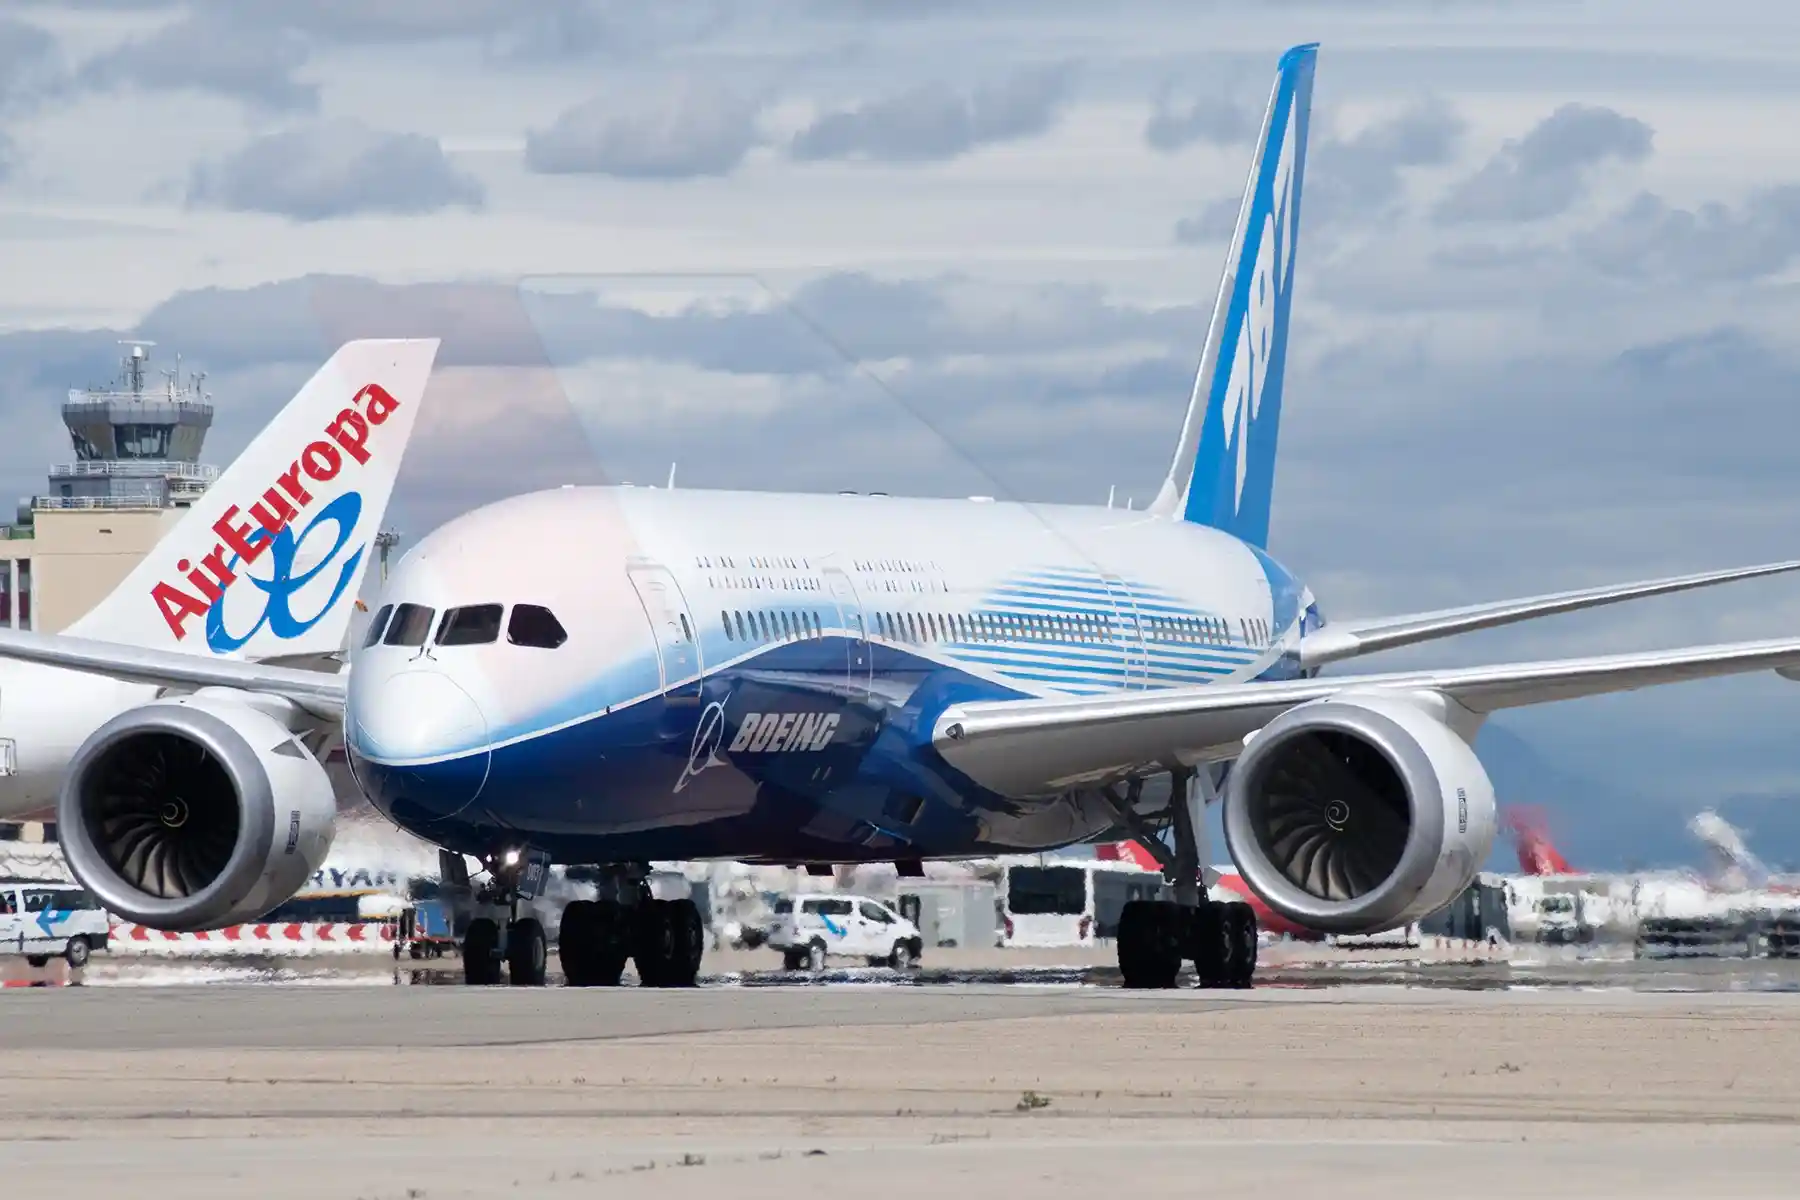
pixel 758 733
pixel 776 732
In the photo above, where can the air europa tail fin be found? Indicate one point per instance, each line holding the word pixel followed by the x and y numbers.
pixel 1224 469
pixel 267 562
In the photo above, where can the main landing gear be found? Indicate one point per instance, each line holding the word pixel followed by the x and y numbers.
pixel 1157 936
pixel 665 938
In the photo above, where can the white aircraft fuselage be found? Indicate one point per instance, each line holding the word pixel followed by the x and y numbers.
pixel 753 675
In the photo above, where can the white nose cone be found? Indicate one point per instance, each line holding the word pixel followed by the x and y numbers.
pixel 415 716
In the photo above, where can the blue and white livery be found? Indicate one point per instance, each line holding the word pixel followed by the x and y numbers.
pixel 611 676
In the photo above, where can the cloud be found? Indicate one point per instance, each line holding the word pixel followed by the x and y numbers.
pixel 689 132
pixel 1212 225
pixel 1650 239
pixel 334 168
pixel 934 123
pixel 1215 120
pixel 1360 176
pixel 1352 178
pixel 214 50
pixel 1541 174
pixel 30 60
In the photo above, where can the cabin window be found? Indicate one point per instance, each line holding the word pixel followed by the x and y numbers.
pixel 410 625
pixel 471 625
pixel 377 626
pixel 535 626
pixel 725 620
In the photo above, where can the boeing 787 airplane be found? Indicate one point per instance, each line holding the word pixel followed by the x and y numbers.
pixel 606 676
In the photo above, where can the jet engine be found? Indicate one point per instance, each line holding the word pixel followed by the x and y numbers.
pixel 1358 814
pixel 194 813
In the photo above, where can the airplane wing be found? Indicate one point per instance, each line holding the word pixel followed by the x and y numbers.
pixel 1349 639
pixel 317 692
pixel 1035 747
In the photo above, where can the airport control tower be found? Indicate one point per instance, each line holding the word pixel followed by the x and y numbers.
pixel 136 471
pixel 137 445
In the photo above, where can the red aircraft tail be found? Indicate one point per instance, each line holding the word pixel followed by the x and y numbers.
pixel 1530 831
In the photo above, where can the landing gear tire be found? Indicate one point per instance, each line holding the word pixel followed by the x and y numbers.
pixel 481 953
pixel 1150 943
pixel 1210 945
pixel 668 944
pixel 594 944
pixel 76 953
pixel 1240 926
pixel 527 953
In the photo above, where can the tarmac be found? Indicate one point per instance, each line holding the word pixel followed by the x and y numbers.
pixel 1607 1087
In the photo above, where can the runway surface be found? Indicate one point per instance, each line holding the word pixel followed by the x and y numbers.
pixel 1348 1091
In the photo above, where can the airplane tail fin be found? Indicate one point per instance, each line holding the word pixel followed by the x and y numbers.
pixel 1224 469
pixel 267 562
pixel 1530 830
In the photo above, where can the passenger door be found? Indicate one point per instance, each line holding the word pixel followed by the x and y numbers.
pixel 858 664
pixel 1128 629
pixel 677 637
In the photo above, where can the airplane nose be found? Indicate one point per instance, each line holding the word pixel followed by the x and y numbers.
pixel 419 714
pixel 418 745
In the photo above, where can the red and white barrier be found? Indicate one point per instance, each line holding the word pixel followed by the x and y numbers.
pixel 281 938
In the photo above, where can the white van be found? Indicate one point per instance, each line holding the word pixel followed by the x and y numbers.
pixel 808 928
pixel 50 920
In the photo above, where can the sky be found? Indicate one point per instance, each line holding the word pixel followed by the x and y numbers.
pixel 1545 334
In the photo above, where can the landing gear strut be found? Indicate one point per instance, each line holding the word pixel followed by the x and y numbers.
pixel 1156 936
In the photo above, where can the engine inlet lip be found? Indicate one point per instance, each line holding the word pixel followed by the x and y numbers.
pixel 256 819
pixel 1387 902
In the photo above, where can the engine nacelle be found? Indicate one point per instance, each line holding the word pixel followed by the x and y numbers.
pixel 194 813
pixel 1358 814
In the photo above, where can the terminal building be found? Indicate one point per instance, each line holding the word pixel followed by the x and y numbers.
pixel 136 466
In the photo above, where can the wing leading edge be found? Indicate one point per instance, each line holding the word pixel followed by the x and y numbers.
pixel 317 692
pixel 1350 639
pixel 1028 747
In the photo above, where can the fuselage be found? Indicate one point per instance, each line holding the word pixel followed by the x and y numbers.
pixel 46 713
pixel 694 674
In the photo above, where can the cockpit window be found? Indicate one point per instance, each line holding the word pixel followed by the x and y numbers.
pixel 534 625
pixel 410 625
pixel 472 625
pixel 378 624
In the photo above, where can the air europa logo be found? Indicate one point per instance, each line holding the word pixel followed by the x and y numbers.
pixel 321 461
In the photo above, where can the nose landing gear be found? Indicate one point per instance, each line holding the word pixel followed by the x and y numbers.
pixel 1157 936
